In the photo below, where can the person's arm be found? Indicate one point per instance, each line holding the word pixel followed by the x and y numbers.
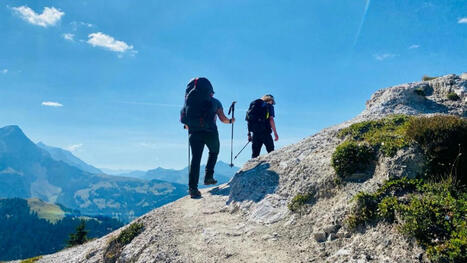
pixel 273 127
pixel 223 118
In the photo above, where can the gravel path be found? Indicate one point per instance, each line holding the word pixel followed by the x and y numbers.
pixel 192 230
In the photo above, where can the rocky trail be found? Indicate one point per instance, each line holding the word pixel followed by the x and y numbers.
pixel 194 230
pixel 248 219
pixel 208 230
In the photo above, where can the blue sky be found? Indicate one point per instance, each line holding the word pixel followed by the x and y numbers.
pixel 106 79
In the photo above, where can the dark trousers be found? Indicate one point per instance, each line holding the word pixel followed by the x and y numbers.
pixel 258 140
pixel 197 142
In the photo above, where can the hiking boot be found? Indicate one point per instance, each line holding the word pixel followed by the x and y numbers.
pixel 208 181
pixel 194 193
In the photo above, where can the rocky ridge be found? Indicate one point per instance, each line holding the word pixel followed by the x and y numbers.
pixel 247 220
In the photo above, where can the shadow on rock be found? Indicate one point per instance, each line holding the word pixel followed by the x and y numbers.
pixel 251 185
pixel 221 190
pixel 430 106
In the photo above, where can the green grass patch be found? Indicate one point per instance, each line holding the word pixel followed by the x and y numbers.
pixel 365 139
pixel 299 201
pixel 387 135
pixel 453 96
pixel 31 260
pixel 434 213
pixel 116 245
pixel 50 212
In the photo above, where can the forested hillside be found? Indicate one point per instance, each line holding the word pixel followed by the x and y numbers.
pixel 24 234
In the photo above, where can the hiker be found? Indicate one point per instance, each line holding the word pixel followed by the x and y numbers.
pixel 260 117
pixel 199 116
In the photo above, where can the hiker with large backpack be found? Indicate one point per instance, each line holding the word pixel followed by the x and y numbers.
pixel 199 116
pixel 260 118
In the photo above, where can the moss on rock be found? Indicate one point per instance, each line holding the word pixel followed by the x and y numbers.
pixel 387 135
pixel 125 237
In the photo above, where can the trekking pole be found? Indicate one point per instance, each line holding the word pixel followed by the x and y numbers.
pixel 241 150
pixel 189 163
pixel 232 110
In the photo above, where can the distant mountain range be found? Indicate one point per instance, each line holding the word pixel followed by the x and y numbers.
pixel 67 157
pixel 124 172
pixel 28 170
pixel 57 176
pixel 223 173
pixel 32 227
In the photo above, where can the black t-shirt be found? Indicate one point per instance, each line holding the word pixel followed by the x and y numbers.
pixel 216 105
pixel 270 110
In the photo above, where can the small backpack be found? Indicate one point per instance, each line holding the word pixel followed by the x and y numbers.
pixel 197 111
pixel 257 116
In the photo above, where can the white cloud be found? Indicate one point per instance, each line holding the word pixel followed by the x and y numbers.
pixel 76 24
pixel 384 56
pixel 102 40
pixel 414 46
pixel 462 20
pixel 69 36
pixel 49 17
pixel 74 147
pixel 85 24
pixel 51 104
pixel 4 71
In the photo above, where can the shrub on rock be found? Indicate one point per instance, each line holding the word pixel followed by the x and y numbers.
pixel 351 157
pixel 116 245
pixel 431 212
pixel 453 96
pixel 444 141
pixel 299 201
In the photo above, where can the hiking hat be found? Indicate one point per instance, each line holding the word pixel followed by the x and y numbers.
pixel 268 98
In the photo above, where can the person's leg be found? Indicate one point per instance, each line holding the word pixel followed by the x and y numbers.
pixel 256 144
pixel 197 145
pixel 268 142
pixel 212 142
